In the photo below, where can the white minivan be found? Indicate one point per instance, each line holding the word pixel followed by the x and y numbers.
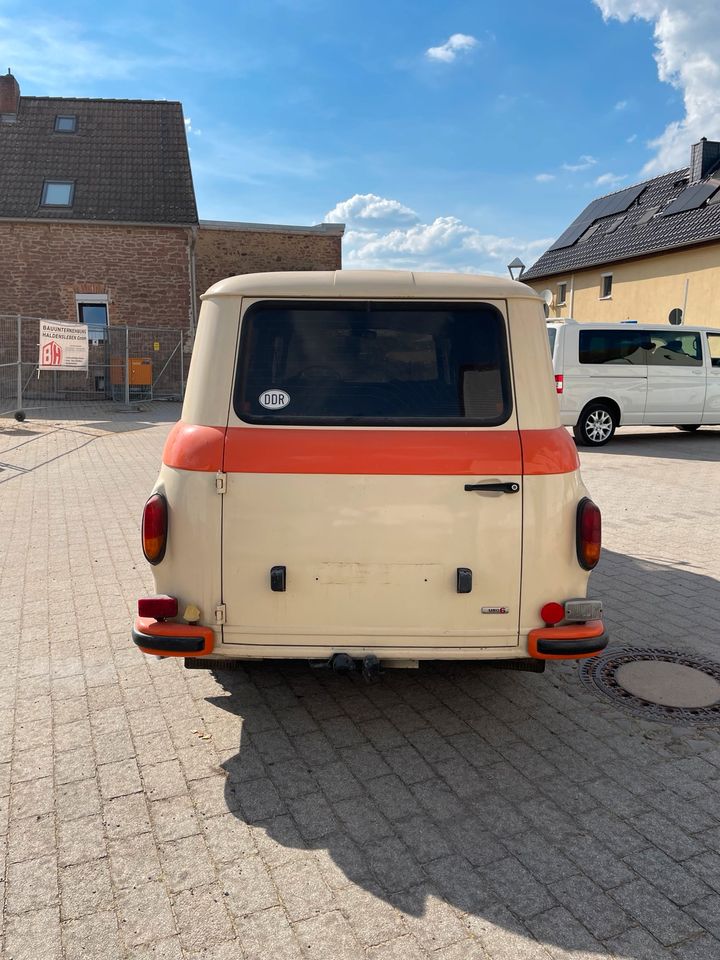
pixel 370 468
pixel 624 374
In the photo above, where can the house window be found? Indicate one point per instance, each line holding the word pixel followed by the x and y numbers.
pixel 93 310
pixel 606 286
pixel 65 124
pixel 58 193
pixel 561 298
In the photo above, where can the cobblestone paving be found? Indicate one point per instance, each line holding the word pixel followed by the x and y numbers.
pixel 455 813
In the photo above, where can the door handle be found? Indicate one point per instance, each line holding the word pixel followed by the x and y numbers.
pixel 510 487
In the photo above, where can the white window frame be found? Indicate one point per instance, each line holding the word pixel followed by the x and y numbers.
pixel 603 277
pixel 563 302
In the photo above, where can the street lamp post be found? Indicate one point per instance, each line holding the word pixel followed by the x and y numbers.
pixel 516 268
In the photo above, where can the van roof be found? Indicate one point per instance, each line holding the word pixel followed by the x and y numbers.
pixel 371 283
pixel 618 325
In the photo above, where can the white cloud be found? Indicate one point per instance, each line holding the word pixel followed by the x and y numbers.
pixel 457 43
pixel 609 180
pixel 368 206
pixel 444 244
pixel 621 105
pixel 544 177
pixel 687 52
pixel 190 129
pixel 584 163
pixel 632 138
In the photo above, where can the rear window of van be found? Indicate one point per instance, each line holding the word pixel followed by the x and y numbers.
pixel 373 363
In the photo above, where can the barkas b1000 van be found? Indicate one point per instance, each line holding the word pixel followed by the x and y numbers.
pixel 370 467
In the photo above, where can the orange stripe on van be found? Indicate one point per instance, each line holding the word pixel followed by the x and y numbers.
pixel 548 451
pixel 190 446
pixel 354 451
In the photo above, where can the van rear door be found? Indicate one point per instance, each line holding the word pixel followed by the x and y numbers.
pixel 374 480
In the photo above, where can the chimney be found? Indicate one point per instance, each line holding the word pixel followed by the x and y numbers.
pixel 9 98
pixel 703 157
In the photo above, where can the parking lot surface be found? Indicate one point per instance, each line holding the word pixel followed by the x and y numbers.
pixel 456 812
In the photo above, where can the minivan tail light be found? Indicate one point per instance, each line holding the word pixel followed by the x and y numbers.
pixel 589 534
pixel 158 608
pixel 559 383
pixel 154 528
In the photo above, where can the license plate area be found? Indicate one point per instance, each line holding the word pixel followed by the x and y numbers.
pixel 580 611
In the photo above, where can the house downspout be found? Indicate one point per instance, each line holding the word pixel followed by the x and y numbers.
pixel 572 296
pixel 192 274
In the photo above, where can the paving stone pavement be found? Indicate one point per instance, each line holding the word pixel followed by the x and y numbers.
pixel 456 812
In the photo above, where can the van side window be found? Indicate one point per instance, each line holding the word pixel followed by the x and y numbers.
pixel 373 362
pixel 551 332
pixel 613 346
pixel 674 349
pixel 714 347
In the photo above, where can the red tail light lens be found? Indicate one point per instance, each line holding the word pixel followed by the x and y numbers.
pixel 589 534
pixel 154 528
pixel 559 383
pixel 159 608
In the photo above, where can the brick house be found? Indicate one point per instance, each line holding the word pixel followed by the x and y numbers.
pixel 98 220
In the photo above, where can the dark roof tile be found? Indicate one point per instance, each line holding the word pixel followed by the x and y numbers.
pixel 128 159
pixel 643 231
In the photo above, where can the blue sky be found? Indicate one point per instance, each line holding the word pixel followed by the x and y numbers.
pixel 451 135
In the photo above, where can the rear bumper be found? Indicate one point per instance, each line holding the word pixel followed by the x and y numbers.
pixel 569 642
pixel 166 639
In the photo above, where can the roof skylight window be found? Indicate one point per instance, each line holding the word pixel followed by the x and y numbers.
pixel 58 193
pixel 66 124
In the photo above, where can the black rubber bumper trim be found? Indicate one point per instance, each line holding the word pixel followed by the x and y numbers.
pixel 570 647
pixel 168 644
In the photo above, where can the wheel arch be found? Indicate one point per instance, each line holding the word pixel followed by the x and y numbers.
pixel 612 405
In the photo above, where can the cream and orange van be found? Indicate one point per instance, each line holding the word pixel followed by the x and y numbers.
pixel 370 468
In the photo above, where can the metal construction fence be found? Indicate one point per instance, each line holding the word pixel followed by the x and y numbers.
pixel 126 364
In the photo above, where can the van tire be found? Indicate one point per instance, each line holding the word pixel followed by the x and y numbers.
pixel 596 425
pixel 689 428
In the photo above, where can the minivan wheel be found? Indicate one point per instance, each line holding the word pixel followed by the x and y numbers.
pixel 689 427
pixel 596 425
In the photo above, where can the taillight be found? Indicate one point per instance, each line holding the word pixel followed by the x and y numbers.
pixel 589 534
pixel 559 383
pixel 154 528
pixel 159 608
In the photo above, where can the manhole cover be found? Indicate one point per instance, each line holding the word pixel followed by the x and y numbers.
pixel 658 685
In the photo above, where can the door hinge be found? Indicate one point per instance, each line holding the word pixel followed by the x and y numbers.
pixel 220 613
pixel 221 482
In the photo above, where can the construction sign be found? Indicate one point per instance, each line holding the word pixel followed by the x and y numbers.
pixel 63 346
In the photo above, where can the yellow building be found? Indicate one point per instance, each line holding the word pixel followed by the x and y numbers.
pixel 650 252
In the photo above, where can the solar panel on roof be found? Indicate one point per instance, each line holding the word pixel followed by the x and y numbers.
pixel 619 202
pixel 691 198
pixel 576 229
pixel 602 207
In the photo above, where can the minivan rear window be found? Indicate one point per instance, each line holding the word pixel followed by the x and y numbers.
pixel 613 346
pixel 365 363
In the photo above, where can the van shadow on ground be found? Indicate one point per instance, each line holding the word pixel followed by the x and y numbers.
pixel 520 799
pixel 667 443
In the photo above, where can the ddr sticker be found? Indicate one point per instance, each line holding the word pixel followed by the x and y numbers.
pixel 274 399
pixel 495 609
